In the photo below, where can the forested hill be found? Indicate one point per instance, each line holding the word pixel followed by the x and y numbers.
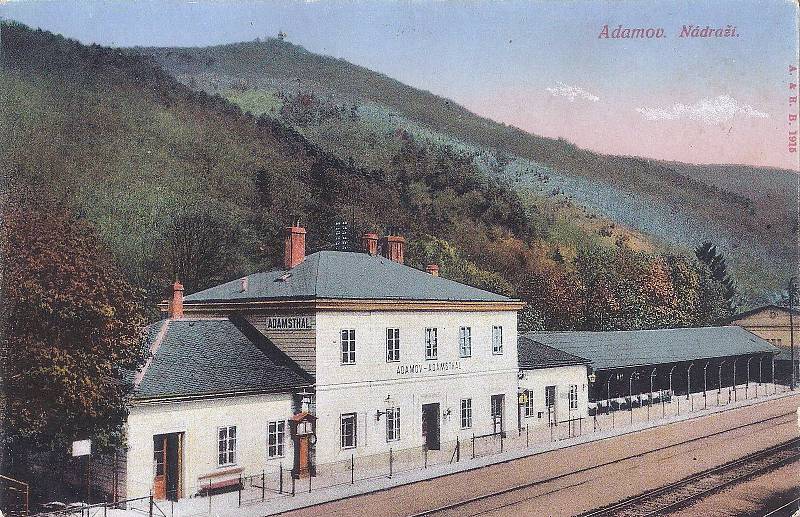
pixel 365 116
pixel 178 181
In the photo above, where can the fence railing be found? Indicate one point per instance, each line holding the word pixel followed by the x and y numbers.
pixel 145 505
pixel 277 482
pixel 14 497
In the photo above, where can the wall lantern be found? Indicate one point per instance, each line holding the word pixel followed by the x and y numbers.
pixel 592 378
pixel 388 403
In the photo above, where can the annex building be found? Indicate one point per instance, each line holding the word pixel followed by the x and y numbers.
pixel 774 324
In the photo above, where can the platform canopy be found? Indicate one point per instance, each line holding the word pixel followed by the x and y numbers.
pixel 631 348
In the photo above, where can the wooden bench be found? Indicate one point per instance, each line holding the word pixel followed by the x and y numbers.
pixel 211 484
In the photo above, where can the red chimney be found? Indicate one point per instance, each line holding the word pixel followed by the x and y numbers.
pixel 393 248
pixel 432 269
pixel 369 243
pixel 176 303
pixel 294 246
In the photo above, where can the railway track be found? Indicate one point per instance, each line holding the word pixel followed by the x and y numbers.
pixel 780 419
pixel 681 493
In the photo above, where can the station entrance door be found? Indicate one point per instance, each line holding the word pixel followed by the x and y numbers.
pixel 430 426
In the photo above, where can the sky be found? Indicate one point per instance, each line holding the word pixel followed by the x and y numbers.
pixel 541 66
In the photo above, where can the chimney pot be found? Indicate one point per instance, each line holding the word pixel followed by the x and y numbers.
pixel 369 243
pixel 176 303
pixel 393 248
pixel 432 269
pixel 294 246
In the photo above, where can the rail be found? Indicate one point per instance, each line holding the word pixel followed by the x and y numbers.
pixel 526 486
pixel 685 491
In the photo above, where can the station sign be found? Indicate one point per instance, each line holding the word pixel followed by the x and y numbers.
pixel 81 448
pixel 432 367
pixel 290 323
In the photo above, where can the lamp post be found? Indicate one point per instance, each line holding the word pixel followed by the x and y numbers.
pixel 705 385
pixel 719 381
pixel 670 381
pixel 747 385
pixel 774 386
pixel 650 401
pixel 630 392
pixel 689 386
pixel 734 378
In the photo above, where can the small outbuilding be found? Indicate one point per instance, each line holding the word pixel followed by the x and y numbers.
pixel 553 384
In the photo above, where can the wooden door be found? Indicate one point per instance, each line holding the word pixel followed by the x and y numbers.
pixel 160 467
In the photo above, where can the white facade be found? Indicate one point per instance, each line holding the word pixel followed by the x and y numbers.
pixel 569 386
pixel 374 382
pixel 198 423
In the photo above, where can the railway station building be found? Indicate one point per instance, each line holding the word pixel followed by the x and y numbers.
pixel 629 368
pixel 334 356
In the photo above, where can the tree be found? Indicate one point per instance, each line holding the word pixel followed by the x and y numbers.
pixel 201 247
pixel 707 254
pixel 73 328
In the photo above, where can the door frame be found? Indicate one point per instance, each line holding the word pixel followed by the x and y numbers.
pixel 501 397
pixel 432 409
pixel 168 450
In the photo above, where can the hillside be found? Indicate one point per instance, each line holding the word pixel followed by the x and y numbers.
pixel 179 182
pixel 364 116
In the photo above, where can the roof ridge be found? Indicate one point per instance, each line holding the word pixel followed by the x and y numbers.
pixel 162 333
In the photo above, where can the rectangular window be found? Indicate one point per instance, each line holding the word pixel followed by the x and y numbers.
pixel 466 413
pixel 392 424
pixel 529 408
pixel 431 344
pixel 465 342
pixel 276 432
pixel 348 338
pixel 392 345
pixel 226 445
pixel 497 340
pixel 549 396
pixel 573 396
pixel 349 435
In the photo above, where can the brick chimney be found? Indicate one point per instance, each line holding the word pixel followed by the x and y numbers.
pixel 432 269
pixel 176 303
pixel 369 243
pixel 393 248
pixel 294 246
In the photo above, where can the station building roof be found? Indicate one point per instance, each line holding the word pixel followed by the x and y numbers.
pixel 212 357
pixel 344 275
pixel 621 349
pixel 534 355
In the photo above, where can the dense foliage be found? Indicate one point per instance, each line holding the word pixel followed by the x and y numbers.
pixel 366 117
pixel 73 327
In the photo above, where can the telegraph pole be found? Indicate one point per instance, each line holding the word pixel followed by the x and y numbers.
pixel 791 327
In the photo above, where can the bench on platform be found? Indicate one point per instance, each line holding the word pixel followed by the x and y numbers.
pixel 219 482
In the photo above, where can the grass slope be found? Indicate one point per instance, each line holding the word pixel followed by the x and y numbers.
pixel 362 115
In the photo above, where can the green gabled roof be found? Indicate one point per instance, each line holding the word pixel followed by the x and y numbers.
pixel 344 275
pixel 213 357
pixel 621 349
